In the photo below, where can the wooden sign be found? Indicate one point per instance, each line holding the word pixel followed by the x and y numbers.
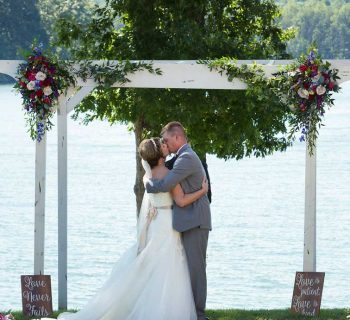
pixel 36 295
pixel 307 293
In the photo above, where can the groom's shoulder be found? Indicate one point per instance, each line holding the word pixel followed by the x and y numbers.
pixel 189 153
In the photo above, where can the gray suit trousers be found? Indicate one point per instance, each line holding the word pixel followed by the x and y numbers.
pixel 195 242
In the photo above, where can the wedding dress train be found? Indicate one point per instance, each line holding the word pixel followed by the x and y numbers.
pixel 151 280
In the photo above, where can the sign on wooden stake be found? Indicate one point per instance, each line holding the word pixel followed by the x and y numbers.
pixel 36 295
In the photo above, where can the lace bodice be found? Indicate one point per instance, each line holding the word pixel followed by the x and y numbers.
pixel 160 199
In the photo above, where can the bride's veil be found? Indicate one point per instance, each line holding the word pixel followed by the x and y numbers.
pixel 144 210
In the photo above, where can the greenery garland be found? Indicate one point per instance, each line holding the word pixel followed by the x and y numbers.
pixel 304 88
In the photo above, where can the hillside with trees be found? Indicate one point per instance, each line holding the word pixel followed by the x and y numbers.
pixel 324 22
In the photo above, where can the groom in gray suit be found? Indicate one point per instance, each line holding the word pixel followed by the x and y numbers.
pixel 194 220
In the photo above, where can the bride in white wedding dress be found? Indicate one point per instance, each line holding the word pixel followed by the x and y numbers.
pixel 151 279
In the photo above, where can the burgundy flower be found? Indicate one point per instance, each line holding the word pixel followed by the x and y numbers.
pixel 39 93
pixel 47 100
pixel 325 75
pixel 331 85
pixel 30 75
pixel 303 68
pixel 46 82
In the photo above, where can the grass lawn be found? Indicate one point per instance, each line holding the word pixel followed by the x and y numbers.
pixel 235 314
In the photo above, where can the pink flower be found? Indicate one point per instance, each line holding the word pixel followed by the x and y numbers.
pixel 40 76
pixel 303 93
pixel 31 85
pixel 320 90
pixel 47 91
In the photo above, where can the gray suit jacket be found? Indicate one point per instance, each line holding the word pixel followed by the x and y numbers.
pixel 189 172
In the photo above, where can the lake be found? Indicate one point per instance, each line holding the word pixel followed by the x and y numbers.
pixel 256 245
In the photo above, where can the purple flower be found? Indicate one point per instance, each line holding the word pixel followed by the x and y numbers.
pixel 311 56
pixel 37 84
pixel 319 101
pixel 40 129
pixel 38 49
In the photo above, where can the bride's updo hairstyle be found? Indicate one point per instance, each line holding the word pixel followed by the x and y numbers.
pixel 150 151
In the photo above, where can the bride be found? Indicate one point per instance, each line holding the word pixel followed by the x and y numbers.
pixel 151 279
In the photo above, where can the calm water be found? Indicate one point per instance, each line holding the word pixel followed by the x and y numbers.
pixel 258 212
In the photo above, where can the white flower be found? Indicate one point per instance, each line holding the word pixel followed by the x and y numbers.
pixel 320 90
pixel 303 93
pixel 47 91
pixel 31 85
pixel 40 76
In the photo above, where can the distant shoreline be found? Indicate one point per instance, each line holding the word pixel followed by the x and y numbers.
pixel 5 79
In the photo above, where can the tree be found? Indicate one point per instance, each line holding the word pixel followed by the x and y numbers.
pixel 20 22
pixel 230 124
pixel 52 10
pixel 326 23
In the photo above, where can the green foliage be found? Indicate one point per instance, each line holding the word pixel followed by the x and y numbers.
pixel 300 92
pixel 53 10
pixel 22 21
pixel 109 73
pixel 19 24
pixel 326 23
pixel 226 123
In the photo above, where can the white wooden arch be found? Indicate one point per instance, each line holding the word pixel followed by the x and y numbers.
pixel 175 74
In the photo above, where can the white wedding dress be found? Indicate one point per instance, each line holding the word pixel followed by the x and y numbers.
pixel 151 280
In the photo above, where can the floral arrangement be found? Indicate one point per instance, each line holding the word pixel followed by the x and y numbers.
pixel 40 81
pixel 6 317
pixel 304 88
pixel 308 87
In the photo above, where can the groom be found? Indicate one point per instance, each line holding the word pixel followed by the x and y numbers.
pixel 194 220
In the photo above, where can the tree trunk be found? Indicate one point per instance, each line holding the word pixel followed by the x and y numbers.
pixel 139 188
